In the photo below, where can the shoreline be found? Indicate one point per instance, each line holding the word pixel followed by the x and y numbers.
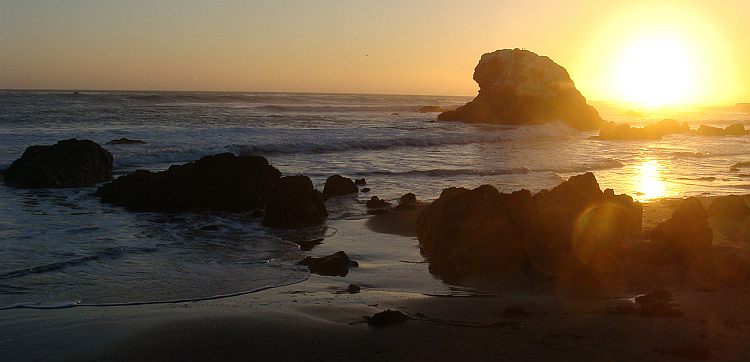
pixel 317 320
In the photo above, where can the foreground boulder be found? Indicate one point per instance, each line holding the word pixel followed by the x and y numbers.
pixel 293 203
pixel 687 235
pixel 68 163
pixel 520 87
pixel 223 182
pixel 482 230
pixel 337 185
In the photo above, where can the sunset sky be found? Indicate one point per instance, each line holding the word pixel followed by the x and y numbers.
pixel 647 51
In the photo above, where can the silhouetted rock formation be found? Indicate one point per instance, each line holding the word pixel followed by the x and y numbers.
pixel 614 131
pixel 222 182
pixel 687 235
pixel 482 230
pixel 336 264
pixel 520 87
pixel 293 203
pixel 337 185
pixel 732 207
pixel 68 163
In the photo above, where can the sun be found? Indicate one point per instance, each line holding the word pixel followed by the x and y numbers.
pixel 656 71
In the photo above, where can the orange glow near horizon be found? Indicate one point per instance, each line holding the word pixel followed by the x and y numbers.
pixel 654 52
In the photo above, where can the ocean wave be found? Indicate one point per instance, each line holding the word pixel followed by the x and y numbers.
pixel 109 253
pixel 605 164
pixel 337 140
pixel 450 172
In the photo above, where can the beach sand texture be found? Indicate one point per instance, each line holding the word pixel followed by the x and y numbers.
pixel 318 320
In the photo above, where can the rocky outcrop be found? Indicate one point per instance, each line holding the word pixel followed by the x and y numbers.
pixel 68 163
pixel 520 87
pixel 223 182
pixel 294 203
pixel 337 185
pixel 687 235
pixel 336 264
pixel 482 230
pixel 613 131
pixel 732 208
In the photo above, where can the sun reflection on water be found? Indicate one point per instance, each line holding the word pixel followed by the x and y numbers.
pixel 649 181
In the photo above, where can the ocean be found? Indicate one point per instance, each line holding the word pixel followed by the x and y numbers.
pixel 59 247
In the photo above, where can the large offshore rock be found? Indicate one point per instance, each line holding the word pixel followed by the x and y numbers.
pixel 293 203
pixel 520 87
pixel 68 163
pixel 223 182
pixel 482 230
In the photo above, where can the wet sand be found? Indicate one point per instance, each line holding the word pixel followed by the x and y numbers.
pixel 315 320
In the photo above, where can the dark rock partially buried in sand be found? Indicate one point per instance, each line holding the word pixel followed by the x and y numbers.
pixel 294 203
pixel 68 163
pixel 388 317
pixel 574 225
pixel 687 235
pixel 336 264
pixel 222 182
pixel 520 87
pixel 338 185
pixel 732 208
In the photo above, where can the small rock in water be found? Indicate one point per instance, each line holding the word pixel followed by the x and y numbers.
pixel 365 189
pixel 377 203
pixel 360 182
pixel 353 289
pixel 387 317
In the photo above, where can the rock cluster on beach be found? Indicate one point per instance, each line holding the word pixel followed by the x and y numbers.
pixel 222 182
pixel 581 237
pixel 474 231
pixel 517 86
pixel 68 163
pixel 294 202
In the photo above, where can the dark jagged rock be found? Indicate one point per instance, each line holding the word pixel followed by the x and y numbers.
pixel 387 317
pixel 732 208
pixel 377 203
pixel 337 185
pixel 407 202
pixel 294 203
pixel 68 163
pixel 336 264
pixel 125 141
pixel 223 182
pixel 687 234
pixel 520 87
pixel 482 230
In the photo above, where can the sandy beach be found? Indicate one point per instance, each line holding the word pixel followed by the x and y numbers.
pixel 319 320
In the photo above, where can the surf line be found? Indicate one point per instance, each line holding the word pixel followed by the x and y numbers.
pixel 61 305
